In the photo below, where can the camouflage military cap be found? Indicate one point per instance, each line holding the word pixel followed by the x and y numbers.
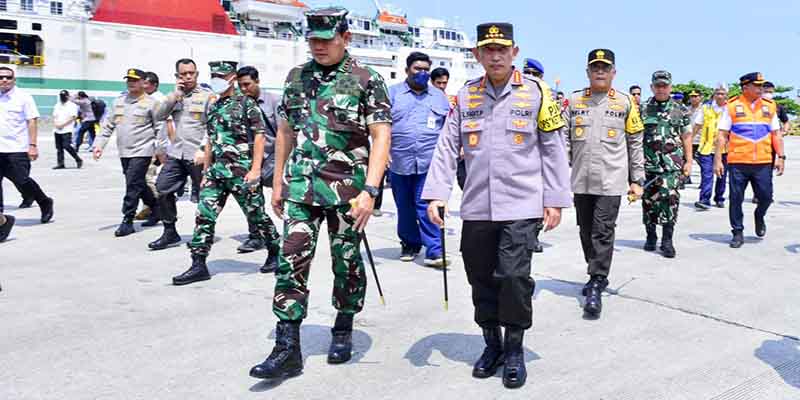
pixel 661 78
pixel 223 67
pixel 323 23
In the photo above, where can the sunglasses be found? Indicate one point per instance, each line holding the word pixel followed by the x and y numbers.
pixel 6 78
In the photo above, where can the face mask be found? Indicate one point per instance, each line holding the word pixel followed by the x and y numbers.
pixel 421 78
pixel 63 98
pixel 768 96
pixel 219 85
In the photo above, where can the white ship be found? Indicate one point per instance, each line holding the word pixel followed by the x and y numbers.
pixel 87 45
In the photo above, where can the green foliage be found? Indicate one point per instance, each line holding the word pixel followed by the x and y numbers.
pixel 791 106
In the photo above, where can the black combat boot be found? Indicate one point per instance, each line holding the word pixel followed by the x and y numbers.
pixel 342 342
pixel 737 240
pixel 154 218
pixel 761 227
pixel 514 373
pixel 5 229
pixel 125 228
pixel 652 238
pixel 271 264
pixel 593 290
pixel 254 242
pixel 196 273
pixel 667 249
pixel 167 239
pixel 492 357
pixel 46 207
pixel 286 359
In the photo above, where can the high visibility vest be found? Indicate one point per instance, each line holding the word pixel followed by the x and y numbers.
pixel 708 135
pixel 750 135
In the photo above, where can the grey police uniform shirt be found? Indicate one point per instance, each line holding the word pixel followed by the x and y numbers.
pixel 268 102
pixel 604 142
pixel 134 121
pixel 515 166
pixel 85 106
pixel 189 115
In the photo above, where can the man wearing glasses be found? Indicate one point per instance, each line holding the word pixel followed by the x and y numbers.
pixel 605 150
pixel 18 145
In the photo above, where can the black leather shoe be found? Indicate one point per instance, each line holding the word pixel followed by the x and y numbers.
pixel 652 238
pixel 719 204
pixel 700 206
pixel 341 349
pixel 26 203
pixel 286 359
pixel 271 264
pixel 737 240
pixel 667 248
pixel 593 290
pixel 5 229
pixel 761 227
pixel 251 244
pixel 79 163
pixel 125 228
pixel 514 373
pixel 60 167
pixel 196 273
pixel 169 238
pixel 492 357
pixel 47 210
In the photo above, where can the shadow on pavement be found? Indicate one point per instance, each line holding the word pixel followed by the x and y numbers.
pixel 789 203
pixel 560 288
pixel 30 221
pixel 227 266
pixel 314 340
pixel 721 238
pixel 633 244
pixel 784 357
pixel 454 346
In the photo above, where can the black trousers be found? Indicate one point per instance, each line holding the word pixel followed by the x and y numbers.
pixel 497 257
pixel 135 171
pixel 17 168
pixel 597 219
pixel 86 126
pixel 64 142
pixel 170 180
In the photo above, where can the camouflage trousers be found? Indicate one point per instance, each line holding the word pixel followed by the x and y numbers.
pixel 661 199
pixel 300 233
pixel 214 192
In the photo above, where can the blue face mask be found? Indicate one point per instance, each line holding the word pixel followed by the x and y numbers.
pixel 420 79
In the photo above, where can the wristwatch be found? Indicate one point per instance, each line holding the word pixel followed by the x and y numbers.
pixel 372 191
pixel 783 157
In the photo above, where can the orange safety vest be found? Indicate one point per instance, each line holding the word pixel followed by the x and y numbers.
pixel 751 132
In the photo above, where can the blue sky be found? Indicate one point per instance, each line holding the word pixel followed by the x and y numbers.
pixel 707 41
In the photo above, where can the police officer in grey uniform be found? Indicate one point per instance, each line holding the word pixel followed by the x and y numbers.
pixel 188 106
pixel 133 118
pixel 605 151
pixel 508 126
pixel 248 81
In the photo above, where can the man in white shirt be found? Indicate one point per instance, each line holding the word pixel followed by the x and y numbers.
pixel 65 113
pixel 18 135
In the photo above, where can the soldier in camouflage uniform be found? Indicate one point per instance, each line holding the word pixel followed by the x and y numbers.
pixel 330 108
pixel 668 156
pixel 231 167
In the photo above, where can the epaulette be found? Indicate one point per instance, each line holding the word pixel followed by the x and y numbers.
pixel 767 100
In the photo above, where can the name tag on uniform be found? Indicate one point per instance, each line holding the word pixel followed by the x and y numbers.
pixel 432 121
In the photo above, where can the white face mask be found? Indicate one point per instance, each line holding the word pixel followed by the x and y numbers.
pixel 219 85
pixel 768 96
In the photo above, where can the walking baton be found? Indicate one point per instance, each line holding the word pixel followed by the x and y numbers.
pixel 369 256
pixel 444 256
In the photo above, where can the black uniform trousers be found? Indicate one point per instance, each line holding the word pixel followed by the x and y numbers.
pixel 17 168
pixel 170 180
pixel 86 126
pixel 64 142
pixel 135 171
pixel 597 219
pixel 497 257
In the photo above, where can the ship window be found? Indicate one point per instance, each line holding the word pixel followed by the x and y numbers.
pixel 8 24
pixel 3 5
pixel 36 26
pixel 441 34
pixel 366 25
pixel 393 75
pixel 56 8
pixel 26 5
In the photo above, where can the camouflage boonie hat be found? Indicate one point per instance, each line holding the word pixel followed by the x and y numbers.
pixel 323 23
pixel 223 67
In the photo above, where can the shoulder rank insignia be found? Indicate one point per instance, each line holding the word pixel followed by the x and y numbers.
pixel 587 92
pixel 517 78
pixel 612 93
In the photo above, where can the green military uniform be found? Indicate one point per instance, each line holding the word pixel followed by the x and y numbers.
pixel 665 125
pixel 329 111
pixel 228 122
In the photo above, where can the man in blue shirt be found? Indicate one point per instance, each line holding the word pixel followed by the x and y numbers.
pixel 418 114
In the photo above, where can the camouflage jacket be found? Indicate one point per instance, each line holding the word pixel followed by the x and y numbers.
pixel 665 124
pixel 228 122
pixel 329 115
